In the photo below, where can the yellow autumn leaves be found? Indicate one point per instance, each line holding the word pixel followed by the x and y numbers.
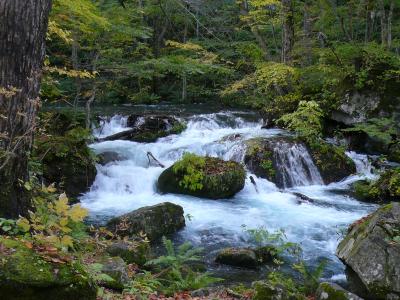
pixel 53 220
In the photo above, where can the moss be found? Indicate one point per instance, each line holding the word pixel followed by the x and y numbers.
pixel 385 189
pixel 26 275
pixel 332 293
pixel 212 178
pixel 331 160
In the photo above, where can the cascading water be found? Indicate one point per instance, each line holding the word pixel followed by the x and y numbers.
pixel 123 186
pixel 295 165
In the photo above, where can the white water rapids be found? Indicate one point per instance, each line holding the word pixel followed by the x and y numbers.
pixel 123 186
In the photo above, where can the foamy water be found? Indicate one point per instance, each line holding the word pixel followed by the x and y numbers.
pixel 126 185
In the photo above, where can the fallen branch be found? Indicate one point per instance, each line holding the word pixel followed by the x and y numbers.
pixel 150 155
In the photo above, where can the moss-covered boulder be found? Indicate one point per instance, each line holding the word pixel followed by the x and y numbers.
pixel 245 257
pixel 148 128
pixel 154 221
pixel 204 177
pixel 284 161
pixel 371 249
pixel 133 252
pixel 264 290
pixel 240 257
pixel 332 291
pixel 383 190
pixel 24 275
pixel 259 159
pixel 332 161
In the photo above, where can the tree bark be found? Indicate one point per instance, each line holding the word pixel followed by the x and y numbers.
pixel 288 31
pixel 23 26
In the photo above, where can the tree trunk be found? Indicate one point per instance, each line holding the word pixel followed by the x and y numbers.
pixel 288 31
pixel 307 33
pixel 23 26
pixel 389 25
pixel 384 25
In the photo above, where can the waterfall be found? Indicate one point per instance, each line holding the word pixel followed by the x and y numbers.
pixel 295 165
pixel 129 184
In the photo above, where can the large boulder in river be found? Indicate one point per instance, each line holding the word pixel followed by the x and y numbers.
pixel 25 275
pixel 154 221
pixel 372 250
pixel 332 161
pixel 148 128
pixel 288 162
pixel 383 190
pixel 204 177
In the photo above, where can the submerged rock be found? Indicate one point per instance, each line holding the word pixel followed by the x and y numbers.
pixel 24 275
pixel 204 177
pixel 148 128
pixel 332 291
pixel 109 156
pixel 154 221
pixel 372 250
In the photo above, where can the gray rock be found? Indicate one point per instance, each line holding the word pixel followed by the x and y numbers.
pixel 356 108
pixel 109 156
pixel 370 251
pixel 154 221
pixel 263 290
pixel 116 268
pixel 332 291
pixel 220 180
pixel 135 252
pixel 239 257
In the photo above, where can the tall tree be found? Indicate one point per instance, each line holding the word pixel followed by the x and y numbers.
pixel 288 31
pixel 23 26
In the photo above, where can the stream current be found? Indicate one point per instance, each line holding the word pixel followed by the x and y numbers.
pixel 130 183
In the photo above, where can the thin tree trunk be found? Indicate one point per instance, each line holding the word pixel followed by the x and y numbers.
pixel 93 96
pixel 307 33
pixel 23 26
pixel 384 25
pixel 288 31
pixel 389 25
pixel 75 66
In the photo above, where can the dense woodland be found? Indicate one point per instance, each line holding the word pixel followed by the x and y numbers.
pixel 317 68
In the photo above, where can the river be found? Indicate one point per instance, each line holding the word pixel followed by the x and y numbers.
pixel 125 185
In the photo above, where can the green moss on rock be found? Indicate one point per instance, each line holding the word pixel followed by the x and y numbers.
pixel 213 179
pixel 154 221
pixel 331 161
pixel 332 291
pixel 25 275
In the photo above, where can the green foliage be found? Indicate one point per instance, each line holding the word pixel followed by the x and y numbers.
pixel 306 120
pixel 262 237
pixel 310 278
pixel 385 189
pixel 177 274
pixel 191 167
pixel 143 285
pixel 53 222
